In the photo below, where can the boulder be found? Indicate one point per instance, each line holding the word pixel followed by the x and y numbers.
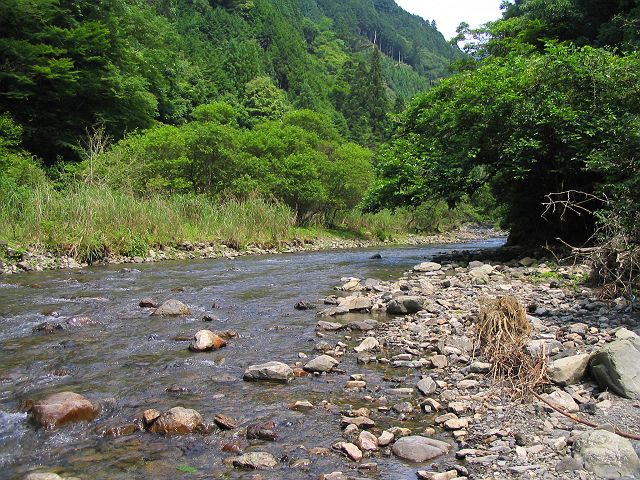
pixel 177 421
pixel 367 345
pixel 323 363
pixel 426 267
pixel 62 408
pixel 616 367
pixel 568 370
pixel 269 372
pixel 255 461
pixel 206 340
pixel 427 386
pixel 172 308
pixel 355 304
pixel 606 454
pixel 419 449
pixel 405 305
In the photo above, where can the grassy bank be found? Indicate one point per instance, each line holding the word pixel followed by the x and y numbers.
pixel 91 222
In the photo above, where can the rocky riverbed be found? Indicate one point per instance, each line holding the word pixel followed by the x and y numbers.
pixel 389 384
pixel 36 258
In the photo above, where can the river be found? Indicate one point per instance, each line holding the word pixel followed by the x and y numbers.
pixel 128 361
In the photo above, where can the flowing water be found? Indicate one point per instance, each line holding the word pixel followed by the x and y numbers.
pixel 127 362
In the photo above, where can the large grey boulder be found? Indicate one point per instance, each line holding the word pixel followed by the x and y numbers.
pixel 568 370
pixel 606 454
pixel 419 449
pixel 405 305
pixel 269 372
pixel 616 367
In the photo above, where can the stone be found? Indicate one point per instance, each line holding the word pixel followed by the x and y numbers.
pixel 255 461
pixel 439 361
pixel 480 367
pixel 172 308
pixel 63 408
pixel 385 438
pixel 301 406
pixel 352 451
pixel 177 421
pixel 426 267
pixel 405 305
pixel 367 345
pixel 606 454
pixel 149 416
pixel 48 328
pixel 355 303
pixel 419 449
pixel 448 475
pixel 262 431
pixel 456 424
pixel 206 340
pixel 616 367
pixel 427 386
pixel 44 476
pixel 304 306
pixel 269 372
pixel 323 363
pixel 148 303
pixel 367 441
pixel 329 326
pixel 225 422
pixel 364 325
pixel 625 334
pixel 562 399
pixel 568 370
pixel 360 422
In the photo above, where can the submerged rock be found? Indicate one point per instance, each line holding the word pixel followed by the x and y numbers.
pixel 148 303
pixel 255 461
pixel 172 308
pixel 269 372
pixel 262 431
pixel 177 421
pixel 63 408
pixel 81 321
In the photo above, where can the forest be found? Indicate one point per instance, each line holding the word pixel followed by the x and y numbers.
pixel 330 110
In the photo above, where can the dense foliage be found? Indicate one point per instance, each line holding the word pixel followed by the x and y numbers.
pixel 537 114
pixel 127 64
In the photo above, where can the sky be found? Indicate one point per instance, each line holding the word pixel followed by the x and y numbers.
pixel 449 13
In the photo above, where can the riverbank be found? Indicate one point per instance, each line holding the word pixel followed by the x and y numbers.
pixel 431 346
pixel 36 258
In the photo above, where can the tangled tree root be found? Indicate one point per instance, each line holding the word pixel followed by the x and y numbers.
pixel 503 333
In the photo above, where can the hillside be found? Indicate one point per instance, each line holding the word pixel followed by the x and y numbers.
pixel 127 64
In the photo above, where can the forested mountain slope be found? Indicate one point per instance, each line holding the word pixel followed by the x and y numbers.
pixel 70 64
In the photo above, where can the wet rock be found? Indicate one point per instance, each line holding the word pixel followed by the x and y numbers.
pixel 269 372
pixel 255 461
pixel 360 422
pixel 177 389
pixel 385 438
pixel 367 345
pixel 448 475
pixel 209 317
pixel 81 322
pixel 233 447
pixel 568 370
pixel 323 363
pixel 616 366
pixel 352 451
pixel 329 326
pixel 419 449
pixel 364 325
pixel 121 430
pixel 262 431
pixel 375 256
pixel 177 421
pixel 367 441
pixel 304 306
pixel 148 303
pixel 206 340
pixel 426 267
pixel 405 305
pixel 149 416
pixel 48 328
pixel 172 308
pixel 63 408
pixel 225 422
pixel 301 406
pixel 606 454
pixel 46 476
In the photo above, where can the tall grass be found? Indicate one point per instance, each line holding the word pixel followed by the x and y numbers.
pixel 90 221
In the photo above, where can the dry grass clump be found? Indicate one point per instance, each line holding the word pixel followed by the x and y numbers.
pixel 503 333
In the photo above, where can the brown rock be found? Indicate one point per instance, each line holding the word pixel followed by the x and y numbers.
pixel 262 431
pixel 206 340
pixel 148 303
pixel 149 416
pixel 62 408
pixel 177 421
pixel 225 422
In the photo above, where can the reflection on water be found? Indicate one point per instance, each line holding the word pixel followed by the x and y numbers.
pixel 128 361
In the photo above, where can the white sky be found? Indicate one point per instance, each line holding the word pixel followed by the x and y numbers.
pixel 449 13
